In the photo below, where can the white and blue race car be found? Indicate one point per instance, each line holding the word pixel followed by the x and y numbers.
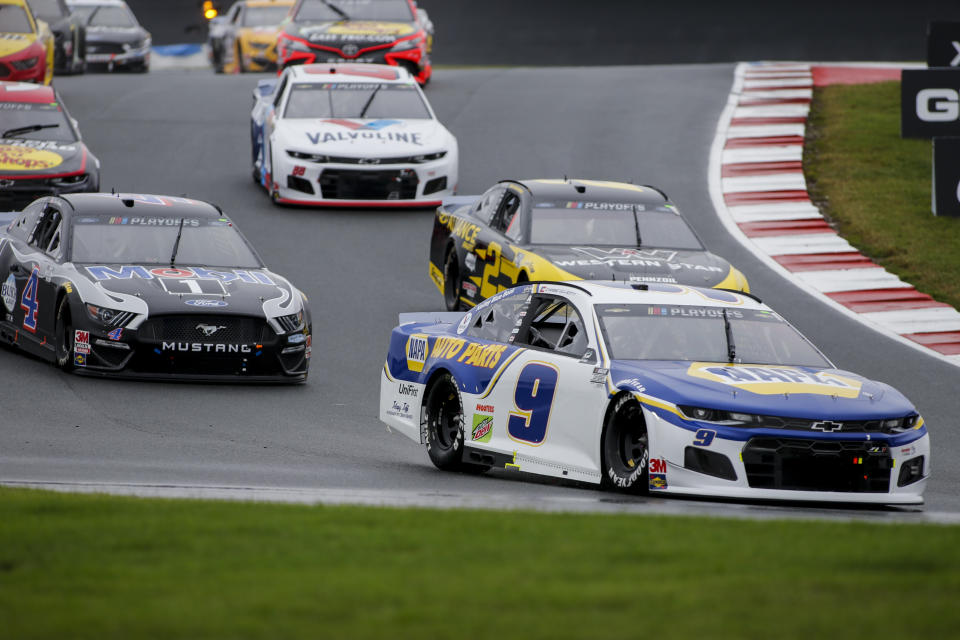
pixel 649 387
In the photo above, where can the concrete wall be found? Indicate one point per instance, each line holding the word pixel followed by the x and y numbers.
pixel 577 32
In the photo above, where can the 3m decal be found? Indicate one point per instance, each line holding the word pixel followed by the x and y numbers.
pixel 658 473
pixel 418 348
pixel 128 272
pixel 81 342
pixel 533 401
pixel 29 302
pixel 774 380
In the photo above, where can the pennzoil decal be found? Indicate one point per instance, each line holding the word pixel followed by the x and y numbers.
pixel 773 380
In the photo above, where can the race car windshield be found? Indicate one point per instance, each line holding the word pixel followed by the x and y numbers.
pixel 30 121
pixel 360 100
pixel 44 9
pixel 698 334
pixel 264 16
pixel 609 223
pixel 379 10
pixel 13 19
pixel 148 240
pixel 100 16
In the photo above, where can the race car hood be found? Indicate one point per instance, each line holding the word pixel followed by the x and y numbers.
pixel 362 34
pixel 247 292
pixel 11 43
pixel 786 391
pixel 637 264
pixel 24 158
pixel 356 137
pixel 119 35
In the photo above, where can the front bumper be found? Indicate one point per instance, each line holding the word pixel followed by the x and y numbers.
pixel 133 58
pixel 413 60
pixel 356 185
pixel 17 193
pixel 159 349
pixel 866 468
pixel 37 73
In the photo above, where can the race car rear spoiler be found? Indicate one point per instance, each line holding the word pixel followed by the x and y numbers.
pixel 431 317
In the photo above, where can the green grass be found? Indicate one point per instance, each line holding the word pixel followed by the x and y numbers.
pixel 875 186
pixel 109 567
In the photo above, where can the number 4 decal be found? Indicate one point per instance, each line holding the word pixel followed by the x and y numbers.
pixel 533 398
pixel 29 302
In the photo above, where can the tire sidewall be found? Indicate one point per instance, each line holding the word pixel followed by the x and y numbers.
pixel 616 474
pixel 64 336
pixel 444 457
pixel 451 282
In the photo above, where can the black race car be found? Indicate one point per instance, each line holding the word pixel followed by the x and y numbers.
pixel 69 32
pixel 115 40
pixel 393 32
pixel 147 286
pixel 556 230
pixel 41 152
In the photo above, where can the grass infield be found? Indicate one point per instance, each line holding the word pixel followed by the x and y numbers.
pixel 875 186
pixel 82 566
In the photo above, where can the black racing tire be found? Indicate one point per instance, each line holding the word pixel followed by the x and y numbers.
pixel 443 419
pixel 625 448
pixel 64 336
pixel 240 67
pixel 451 281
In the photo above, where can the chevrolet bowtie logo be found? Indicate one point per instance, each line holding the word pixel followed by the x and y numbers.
pixel 827 426
pixel 208 329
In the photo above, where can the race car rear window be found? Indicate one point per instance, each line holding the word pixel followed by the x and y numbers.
pixel 335 10
pixel 355 100
pixel 23 121
pixel 46 8
pixel 264 16
pixel 698 334
pixel 609 223
pixel 13 19
pixel 151 239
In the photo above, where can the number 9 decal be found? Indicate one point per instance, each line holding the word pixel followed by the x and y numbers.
pixel 533 399
pixel 704 437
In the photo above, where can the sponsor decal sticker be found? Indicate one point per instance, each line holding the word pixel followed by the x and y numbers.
pixel 471 353
pixel 81 342
pixel 80 360
pixel 418 348
pixel 128 272
pixel 206 303
pixel 482 427
pixel 658 473
pixel 774 380
pixel 17 158
pixel 408 390
pixel 9 293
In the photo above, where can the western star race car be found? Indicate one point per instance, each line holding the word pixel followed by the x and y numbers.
pixel 350 135
pixel 390 32
pixel 245 39
pixel 524 231
pixel 147 287
pixel 41 152
pixel 69 34
pixel 115 40
pixel 26 44
pixel 660 388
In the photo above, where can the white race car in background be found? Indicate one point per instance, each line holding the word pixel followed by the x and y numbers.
pixel 350 135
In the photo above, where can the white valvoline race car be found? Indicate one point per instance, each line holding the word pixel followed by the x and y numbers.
pixel 347 135
pixel 649 387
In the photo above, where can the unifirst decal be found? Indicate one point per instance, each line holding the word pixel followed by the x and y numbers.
pixel 418 348
pixel 774 380
pixel 18 158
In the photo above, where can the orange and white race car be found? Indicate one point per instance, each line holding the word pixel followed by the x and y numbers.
pixel 26 44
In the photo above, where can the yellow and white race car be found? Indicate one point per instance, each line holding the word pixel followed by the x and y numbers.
pixel 245 39
pixel 26 44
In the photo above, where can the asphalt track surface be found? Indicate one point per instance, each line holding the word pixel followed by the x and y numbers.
pixel 187 133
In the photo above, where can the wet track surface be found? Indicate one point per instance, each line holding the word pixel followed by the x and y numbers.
pixel 188 133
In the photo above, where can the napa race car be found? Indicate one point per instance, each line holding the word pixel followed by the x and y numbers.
pixel 350 135
pixel 245 39
pixel 529 230
pixel 26 44
pixel 146 286
pixel 649 388
pixel 41 152
pixel 393 32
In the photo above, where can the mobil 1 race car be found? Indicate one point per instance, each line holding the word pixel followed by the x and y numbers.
pixel 390 32
pixel 649 388
pixel 147 287
pixel 530 230
pixel 350 135
pixel 41 152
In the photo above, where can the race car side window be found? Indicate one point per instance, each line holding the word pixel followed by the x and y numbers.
pixel 46 236
pixel 487 207
pixel 24 225
pixel 279 96
pixel 507 219
pixel 497 321
pixel 553 323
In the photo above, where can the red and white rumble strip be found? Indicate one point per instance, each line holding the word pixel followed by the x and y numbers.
pixel 758 189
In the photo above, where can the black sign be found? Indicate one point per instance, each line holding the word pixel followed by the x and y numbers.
pixel 943 44
pixel 946 176
pixel 930 103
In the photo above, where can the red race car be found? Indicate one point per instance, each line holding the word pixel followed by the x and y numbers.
pixel 391 32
